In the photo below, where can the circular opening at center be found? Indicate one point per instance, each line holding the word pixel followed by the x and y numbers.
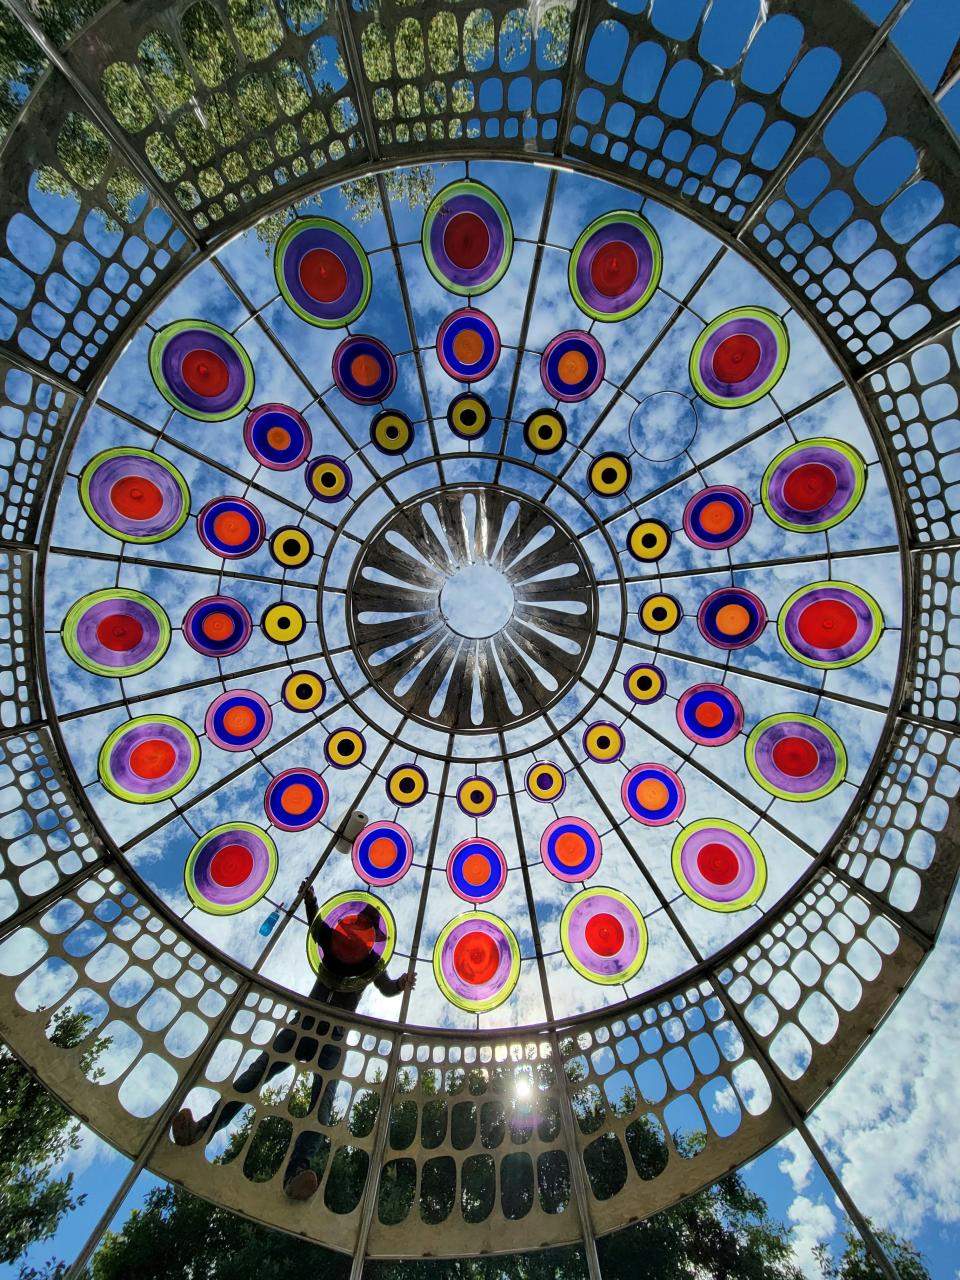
pixel 477 601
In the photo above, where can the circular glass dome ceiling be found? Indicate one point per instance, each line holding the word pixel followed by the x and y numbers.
pixel 527 582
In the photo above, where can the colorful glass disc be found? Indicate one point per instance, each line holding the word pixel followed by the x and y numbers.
pixel 230 868
pixel 351 941
pixel 277 436
pixel 329 479
pixel 719 865
pixel 382 853
pixel 813 485
pixel 283 623
pixel 217 626
pixel 603 741
pixel 717 517
pixel 572 366
pixel 644 683
pixel 231 528
pixel 660 614
pixel 148 759
pixel 796 757
pixel 476 796
pixel 609 474
pixel 545 782
pixel 653 794
pixel 467 239
pixel 468 345
pixel 238 720
pixel 391 432
pixel 603 935
pixel 406 785
pixel 476 870
pixel 291 547
pixel 709 714
pixel 295 799
pixel 201 370
pixel 571 849
pixel 615 266
pixel 830 624
pixel 649 540
pixel 739 357
pixel 116 632
pixel 364 369
pixel 468 416
pixel 476 961
pixel 731 618
pixel 303 691
pixel 134 495
pixel 545 431
pixel 344 748
pixel 322 272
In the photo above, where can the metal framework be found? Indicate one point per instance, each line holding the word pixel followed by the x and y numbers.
pixel 337 91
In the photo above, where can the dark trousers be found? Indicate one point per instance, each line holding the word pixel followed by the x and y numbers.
pixel 262 1070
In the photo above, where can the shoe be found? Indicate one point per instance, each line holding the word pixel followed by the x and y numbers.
pixel 186 1130
pixel 302 1185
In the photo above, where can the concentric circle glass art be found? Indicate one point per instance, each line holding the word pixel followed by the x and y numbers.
pixel 653 794
pixel 149 759
pixel 739 357
pixel 717 517
pixel 604 936
pixel 230 868
pixel 134 495
pixel 277 437
pixel 830 624
pixel 364 369
pixel 201 369
pixel 796 757
pixel 295 799
pixel 571 849
pixel 719 865
pixel 238 720
pixel 572 366
pixel 382 853
pixel 351 941
pixel 467 238
pixel 476 961
pixel 476 870
pixel 813 485
pixel 468 345
pixel 116 632
pixel 231 528
pixel 217 626
pixel 615 266
pixel 731 618
pixel 322 272
pixel 709 714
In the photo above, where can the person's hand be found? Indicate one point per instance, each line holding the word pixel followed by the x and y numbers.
pixel 408 980
pixel 307 891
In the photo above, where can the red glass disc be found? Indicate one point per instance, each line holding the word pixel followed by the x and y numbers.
pixel 216 626
pixel 475 869
pixel 718 863
pixel 614 268
pixel 827 624
pixel 239 721
pixel 603 934
pixel 231 528
pixel 736 358
pixel 476 958
pixel 382 852
pixel 297 798
pixel 809 486
pixel 352 939
pixel 119 632
pixel 204 372
pixel 716 517
pixel 365 370
pixel 231 865
pixel 796 757
pixel 569 848
pixel 709 714
pixel 152 759
pixel 466 241
pixel 136 497
pixel 323 275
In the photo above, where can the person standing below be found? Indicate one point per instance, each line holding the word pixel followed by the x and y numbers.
pixel 342 951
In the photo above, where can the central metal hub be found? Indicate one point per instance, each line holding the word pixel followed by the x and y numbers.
pixel 472 607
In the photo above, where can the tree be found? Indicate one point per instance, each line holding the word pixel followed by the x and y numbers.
pixel 36 1133
pixel 855 1263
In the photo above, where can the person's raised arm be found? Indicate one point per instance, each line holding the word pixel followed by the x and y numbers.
pixel 310 904
pixel 388 986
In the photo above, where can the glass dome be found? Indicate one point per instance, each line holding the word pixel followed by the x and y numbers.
pixel 496 524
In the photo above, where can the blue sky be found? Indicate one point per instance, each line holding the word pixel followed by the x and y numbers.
pixel 884 1111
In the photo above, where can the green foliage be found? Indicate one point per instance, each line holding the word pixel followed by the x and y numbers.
pixel 855 1264
pixel 36 1134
